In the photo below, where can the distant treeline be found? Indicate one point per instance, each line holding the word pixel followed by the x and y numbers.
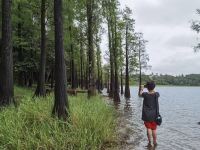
pixel 181 80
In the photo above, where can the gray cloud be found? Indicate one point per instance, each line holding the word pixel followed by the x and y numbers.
pixel 170 12
pixel 166 25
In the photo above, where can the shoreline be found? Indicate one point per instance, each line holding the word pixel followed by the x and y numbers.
pixel 123 131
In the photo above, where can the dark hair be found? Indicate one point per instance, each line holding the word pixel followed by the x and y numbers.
pixel 150 85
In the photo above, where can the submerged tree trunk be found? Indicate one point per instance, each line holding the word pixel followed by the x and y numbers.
pixel 6 57
pixel 40 90
pixel 60 108
pixel 127 88
pixel 92 87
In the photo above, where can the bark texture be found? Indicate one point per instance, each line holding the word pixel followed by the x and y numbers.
pixel 6 57
pixel 61 100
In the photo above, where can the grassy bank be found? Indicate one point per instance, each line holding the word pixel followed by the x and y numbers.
pixel 31 126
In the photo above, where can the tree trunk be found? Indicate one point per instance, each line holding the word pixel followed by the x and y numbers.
pixel 6 60
pixel 108 82
pixel 111 90
pixel 127 88
pixel 52 78
pixel 98 65
pixel 73 80
pixel 81 59
pixel 86 74
pixel 20 51
pixel 122 89
pixel 61 106
pixel 116 90
pixel 40 90
pixel 140 74
pixel 30 82
pixel 92 87
pixel 101 82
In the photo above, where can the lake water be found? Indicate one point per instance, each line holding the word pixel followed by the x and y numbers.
pixel 180 109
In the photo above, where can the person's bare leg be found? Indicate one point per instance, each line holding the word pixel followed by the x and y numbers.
pixel 154 137
pixel 149 131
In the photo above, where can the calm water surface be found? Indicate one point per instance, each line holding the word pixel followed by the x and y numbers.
pixel 180 109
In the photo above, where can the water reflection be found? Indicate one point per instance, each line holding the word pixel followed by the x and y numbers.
pixel 127 105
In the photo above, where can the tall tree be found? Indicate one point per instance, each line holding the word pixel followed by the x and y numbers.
pixel 115 54
pixel 121 55
pixel 127 88
pixel 40 90
pixel 108 6
pixel 61 100
pixel 98 31
pixel 111 91
pixel 91 62
pixel 143 57
pixel 71 44
pixel 128 37
pixel 98 53
pixel 6 57
pixel 121 59
pixel 20 51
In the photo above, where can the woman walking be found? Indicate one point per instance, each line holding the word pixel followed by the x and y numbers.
pixel 150 111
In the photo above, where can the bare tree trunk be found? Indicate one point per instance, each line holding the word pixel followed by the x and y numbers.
pixel 61 106
pixel 98 65
pixel 140 74
pixel 40 90
pixel 81 59
pixel 127 88
pixel 6 60
pixel 52 78
pixel 92 87
pixel 101 82
pixel 122 89
pixel 111 90
pixel 20 51
pixel 30 82
pixel 116 90
pixel 73 80
pixel 108 82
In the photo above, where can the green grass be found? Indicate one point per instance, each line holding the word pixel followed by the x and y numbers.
pixel 31 126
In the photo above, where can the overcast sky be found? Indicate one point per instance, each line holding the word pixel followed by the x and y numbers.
pixel 166 25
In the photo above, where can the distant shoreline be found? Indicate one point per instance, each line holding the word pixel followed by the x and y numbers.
pixel 168 80
pixel 170 85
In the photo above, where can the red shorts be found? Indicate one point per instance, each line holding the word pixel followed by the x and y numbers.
pixel 150 125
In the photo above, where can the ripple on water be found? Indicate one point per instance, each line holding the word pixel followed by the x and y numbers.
pixel 179 107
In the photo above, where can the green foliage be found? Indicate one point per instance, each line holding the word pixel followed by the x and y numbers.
pixel 182 80
pixel 31 126
pixel 196 27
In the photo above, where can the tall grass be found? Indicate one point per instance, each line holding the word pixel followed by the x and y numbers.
pixel 31 126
